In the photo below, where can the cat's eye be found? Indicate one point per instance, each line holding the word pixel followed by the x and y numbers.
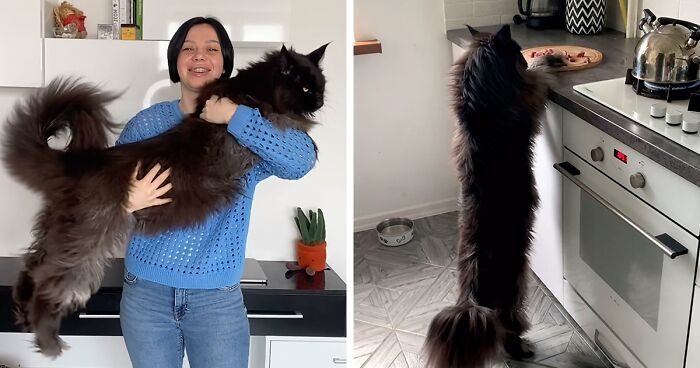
pixel 306 90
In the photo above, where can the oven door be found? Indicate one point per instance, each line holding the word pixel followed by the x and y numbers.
pixel 632 266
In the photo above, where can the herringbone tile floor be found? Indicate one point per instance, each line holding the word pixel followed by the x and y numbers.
pixel 399 290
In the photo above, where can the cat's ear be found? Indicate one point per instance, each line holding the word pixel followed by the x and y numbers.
pixel 472 30
pixel 503 34
pixel 285 61
pixel 316 55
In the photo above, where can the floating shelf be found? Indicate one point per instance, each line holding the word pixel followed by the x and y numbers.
pixel 368 47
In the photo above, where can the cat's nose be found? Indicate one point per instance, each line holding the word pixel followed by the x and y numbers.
pixel 319 103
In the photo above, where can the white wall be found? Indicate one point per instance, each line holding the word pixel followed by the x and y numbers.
pixel 683 9
pixel 272 230
pixel 479 13
pixel 403 127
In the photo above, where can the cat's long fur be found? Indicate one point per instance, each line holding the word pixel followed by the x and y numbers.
pixel 83 223
pixel 497 102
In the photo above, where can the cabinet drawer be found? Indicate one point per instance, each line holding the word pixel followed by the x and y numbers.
pixel 296 314
pixel 17 351
pixel 99 318
pixel 303 353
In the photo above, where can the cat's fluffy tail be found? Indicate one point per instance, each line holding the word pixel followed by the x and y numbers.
pixel 65 105
pixel 464 336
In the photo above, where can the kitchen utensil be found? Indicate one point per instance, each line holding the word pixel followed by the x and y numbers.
pixel 666 53
pixel 595 57
pixel 541 14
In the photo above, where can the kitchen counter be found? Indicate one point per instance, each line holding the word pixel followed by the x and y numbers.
pixel 618 53
pixel 289 304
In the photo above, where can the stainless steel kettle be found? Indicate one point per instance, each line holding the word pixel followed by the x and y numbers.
pixel 541 14
pixel 666 53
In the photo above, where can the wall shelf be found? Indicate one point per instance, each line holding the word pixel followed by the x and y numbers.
pixel 367 47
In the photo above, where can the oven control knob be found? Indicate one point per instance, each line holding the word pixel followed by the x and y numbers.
pixel 637 180
pixel 691 124
pixel 674 117
pixel 597 154
pixel 658 110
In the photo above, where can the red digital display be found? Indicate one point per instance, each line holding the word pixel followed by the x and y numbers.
pixel 621 156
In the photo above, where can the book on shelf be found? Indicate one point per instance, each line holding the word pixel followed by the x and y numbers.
pixel 116 22
pixel 127 14
pixel 138 18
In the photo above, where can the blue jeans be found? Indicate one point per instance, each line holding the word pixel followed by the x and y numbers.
pixel 160 322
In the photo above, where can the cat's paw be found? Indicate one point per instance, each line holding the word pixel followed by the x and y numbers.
pixel 518 348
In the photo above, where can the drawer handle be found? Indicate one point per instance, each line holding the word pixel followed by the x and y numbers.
pixel 98 316
pixel 340 361
pixel 608 356
pixel 665 242
pixel 263 315
pixel 257 315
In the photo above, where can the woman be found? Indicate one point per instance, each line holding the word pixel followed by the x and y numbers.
pixel 181 288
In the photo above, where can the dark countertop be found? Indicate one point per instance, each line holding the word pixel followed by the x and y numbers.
pixel 290 304
pixel 278 280
pixel 618 53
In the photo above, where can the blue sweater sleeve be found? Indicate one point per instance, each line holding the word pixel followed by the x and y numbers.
pixel 287 154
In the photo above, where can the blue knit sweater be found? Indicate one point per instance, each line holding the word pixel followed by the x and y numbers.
pixel 211 254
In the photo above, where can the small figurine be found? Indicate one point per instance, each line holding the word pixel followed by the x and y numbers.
pixel 70 21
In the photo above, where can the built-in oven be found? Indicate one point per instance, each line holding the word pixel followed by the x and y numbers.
pixel 630 249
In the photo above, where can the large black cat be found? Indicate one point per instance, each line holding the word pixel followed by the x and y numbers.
pixel 83 222
pixel 498 102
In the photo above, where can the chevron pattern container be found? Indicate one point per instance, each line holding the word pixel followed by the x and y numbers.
pixel 585 16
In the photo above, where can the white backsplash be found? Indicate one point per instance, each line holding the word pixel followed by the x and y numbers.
pixel 479 13
pixel 684 9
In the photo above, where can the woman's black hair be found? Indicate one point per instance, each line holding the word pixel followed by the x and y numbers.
pixel 179 38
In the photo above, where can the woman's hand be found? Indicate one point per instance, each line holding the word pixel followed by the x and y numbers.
pixel 218 110
pixel 145 192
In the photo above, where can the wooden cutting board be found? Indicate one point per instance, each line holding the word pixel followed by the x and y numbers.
pixel 595 56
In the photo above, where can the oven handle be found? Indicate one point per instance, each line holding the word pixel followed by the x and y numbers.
pixel 665 242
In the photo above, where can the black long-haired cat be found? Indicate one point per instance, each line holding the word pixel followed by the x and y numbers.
pixel 497 101
pixel 83 222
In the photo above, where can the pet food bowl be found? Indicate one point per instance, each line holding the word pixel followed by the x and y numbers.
pixel 395 231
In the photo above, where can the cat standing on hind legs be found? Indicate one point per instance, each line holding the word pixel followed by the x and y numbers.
pixel 497 102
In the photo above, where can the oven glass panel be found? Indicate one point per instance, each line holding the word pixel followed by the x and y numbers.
pixel 626 260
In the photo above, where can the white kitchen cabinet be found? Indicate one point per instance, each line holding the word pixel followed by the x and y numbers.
pixel 139 69
pixel 546 256
pixel 304 352
pixel 21 64
pixel 245 21
pixel 17 351
pixel 693 358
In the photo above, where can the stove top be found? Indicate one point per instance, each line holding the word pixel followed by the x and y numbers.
pixel 666 91
pixel 671 119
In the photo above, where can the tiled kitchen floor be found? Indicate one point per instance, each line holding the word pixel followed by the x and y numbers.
pixel 399 290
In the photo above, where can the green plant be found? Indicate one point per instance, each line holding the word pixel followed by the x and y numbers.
pixel 312 228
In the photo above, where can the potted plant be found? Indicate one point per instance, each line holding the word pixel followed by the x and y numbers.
pixel 311 248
